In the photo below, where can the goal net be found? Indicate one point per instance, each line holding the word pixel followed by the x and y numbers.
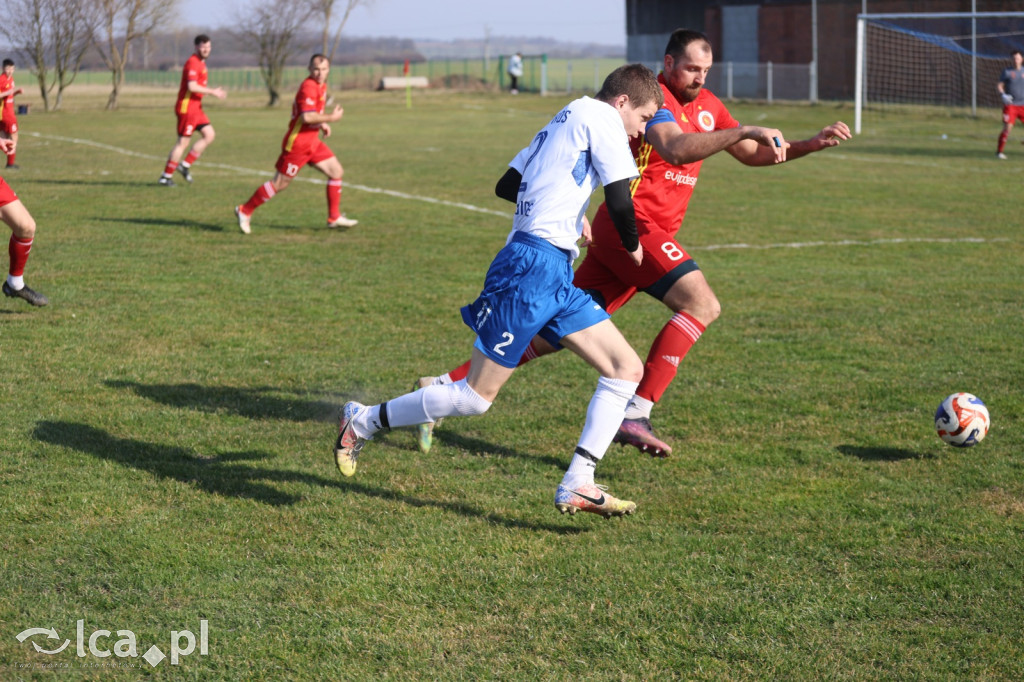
pixel 946 62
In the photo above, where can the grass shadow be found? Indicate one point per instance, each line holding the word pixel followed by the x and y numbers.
pixel 478 446
pixel 881 454
pixel 254 403
pixel 223 476
pixel 176 222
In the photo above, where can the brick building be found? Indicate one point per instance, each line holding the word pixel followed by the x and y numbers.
pixel 777 31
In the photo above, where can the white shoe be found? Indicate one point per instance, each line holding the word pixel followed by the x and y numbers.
pixel 243 220
pixel 1000 155
pixel 342 221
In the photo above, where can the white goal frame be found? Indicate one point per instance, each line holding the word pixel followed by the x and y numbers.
pixel 861 75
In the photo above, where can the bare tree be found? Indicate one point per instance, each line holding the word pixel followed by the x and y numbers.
pixel 119 24
pixel 323 10
pixel 45 33
pixel 270 29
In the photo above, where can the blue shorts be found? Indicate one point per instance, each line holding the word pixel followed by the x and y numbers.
pixel 528 291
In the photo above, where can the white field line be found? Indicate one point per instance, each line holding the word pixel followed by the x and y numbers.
pixel 477 209
pixel 847 242
pixel 250 171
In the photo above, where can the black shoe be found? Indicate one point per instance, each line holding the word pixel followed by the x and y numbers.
pixel 166 182
pixel 33 297
pixel 185 173
pixel 13 166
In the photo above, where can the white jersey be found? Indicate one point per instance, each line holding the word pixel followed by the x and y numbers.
pixel 583 147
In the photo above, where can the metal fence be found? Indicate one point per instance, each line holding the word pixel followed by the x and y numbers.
pixel 728 80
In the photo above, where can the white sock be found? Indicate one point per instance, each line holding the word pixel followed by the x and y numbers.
pixel 639 408
pixel 442 380
pixel 16 282
pixel 580 472
pixel 604 414
pixel 428 404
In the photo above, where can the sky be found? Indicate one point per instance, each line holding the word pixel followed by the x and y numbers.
pixel 578 21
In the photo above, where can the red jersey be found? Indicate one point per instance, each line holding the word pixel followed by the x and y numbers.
pixel 662 191
pixel 195 70
pixel 7 83
pixel 311 97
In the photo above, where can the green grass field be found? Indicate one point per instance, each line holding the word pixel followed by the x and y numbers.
pixel 165 445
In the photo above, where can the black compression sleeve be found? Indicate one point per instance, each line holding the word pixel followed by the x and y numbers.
pixel 508 187
pixel 620 208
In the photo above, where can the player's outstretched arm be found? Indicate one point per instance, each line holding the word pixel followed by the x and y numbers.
pixel 766 152
pixel 830 136
pixel 677 147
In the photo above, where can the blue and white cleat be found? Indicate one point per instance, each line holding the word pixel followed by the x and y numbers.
pixel 591 498
pixel 348 445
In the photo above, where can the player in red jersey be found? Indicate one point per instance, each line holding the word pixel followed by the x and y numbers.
pixel 23 232
pixel 191 117
pixel 8 121
pixel 302 145
pixel 693 125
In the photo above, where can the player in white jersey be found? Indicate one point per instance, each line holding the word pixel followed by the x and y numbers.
pixel 528 289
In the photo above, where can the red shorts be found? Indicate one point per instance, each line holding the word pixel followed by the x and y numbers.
pixel 609 272
pixel 1012 112
pixel 302 153
pixel 7 194
pixel 8 123
pixel 191 121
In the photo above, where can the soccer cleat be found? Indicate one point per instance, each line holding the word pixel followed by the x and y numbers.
pixel 348 445
pixel 165 181
pixel 13 166
pixel 185 173
pixel 591 498
pixel 342 221
pixel 243 220
pixel 640 434
pixel 1000 155
pixel 33 297
pixel 425 432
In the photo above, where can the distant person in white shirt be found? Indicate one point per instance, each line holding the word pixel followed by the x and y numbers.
pixel 529 286
pixel 515 71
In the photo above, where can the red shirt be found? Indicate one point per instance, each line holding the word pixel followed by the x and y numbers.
pixel 195 70
pixel 662 191
pixel 7 83
pixel 311 97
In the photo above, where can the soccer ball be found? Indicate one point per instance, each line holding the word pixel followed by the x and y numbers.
pixel 962 420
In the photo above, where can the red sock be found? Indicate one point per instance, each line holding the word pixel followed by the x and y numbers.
pixel 668 350
pixel 333 199
pixel 462 371
pixel 191 158
pixel 10 158
pixel 262 195
pixel 1003 136
pixel 18 250
pixel 170 167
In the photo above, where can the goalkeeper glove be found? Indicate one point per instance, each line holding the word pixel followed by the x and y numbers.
pixel 1007 98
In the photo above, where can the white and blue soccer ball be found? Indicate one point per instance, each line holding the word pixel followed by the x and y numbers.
pixel 962 420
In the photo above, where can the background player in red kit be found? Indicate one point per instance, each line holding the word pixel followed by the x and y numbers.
pixel 191 117
pixel 669 158
pixel 302 145
pixel 8 121
pixel 23 232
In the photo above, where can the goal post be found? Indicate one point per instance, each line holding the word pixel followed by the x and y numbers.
pixel 947 62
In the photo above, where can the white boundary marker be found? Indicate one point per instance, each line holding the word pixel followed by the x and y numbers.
pixel 488 211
